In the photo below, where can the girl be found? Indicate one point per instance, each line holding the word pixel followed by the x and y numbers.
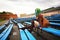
pixel 43 21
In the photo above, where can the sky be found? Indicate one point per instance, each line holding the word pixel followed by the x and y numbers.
pixel 26 6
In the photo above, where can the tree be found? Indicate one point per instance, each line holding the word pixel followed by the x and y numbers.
pixel 37 11
pixel 3 12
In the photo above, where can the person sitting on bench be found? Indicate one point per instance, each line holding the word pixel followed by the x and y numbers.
pixel 43 21
pixel 40 22
pixel 34 24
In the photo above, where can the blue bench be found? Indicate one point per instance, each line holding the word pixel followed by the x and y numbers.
pixel 56 21
pixel 6 32
pixel 1 27
pixel 28 23
pixel 19 25
pixel 10 21
pixel 30 36
pixel 52 30
pixel 25 33
pixel 55 24
pixel 14 21
pixel 23 36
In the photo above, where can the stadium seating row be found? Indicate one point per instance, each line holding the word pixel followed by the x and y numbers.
pixel 6 32
pixel 25 34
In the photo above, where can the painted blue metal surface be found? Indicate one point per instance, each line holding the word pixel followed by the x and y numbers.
pixel 30 36
pixel 19 25
pixel 52 30
pixel 28 23
pixel 1 27
pixel 7 33
pixel 23 36
pixel 14 21
pixel 56 24
pixel 54 20
pixel 3 33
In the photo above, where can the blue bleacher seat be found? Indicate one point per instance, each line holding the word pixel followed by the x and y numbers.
pixel 54 17
pixel 6 32
pixel 14 21
pixel 30 36
pixel 55 24
pixel 23 36
pixel 2 34
pixel 19 24
pixel 28 23
pixel 55 21
pixel 1 27
pixel 22 33
pixel 52 30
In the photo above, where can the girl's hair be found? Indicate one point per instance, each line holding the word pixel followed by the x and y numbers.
pixel 40 18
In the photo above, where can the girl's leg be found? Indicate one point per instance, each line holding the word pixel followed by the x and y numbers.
pixel 41 29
